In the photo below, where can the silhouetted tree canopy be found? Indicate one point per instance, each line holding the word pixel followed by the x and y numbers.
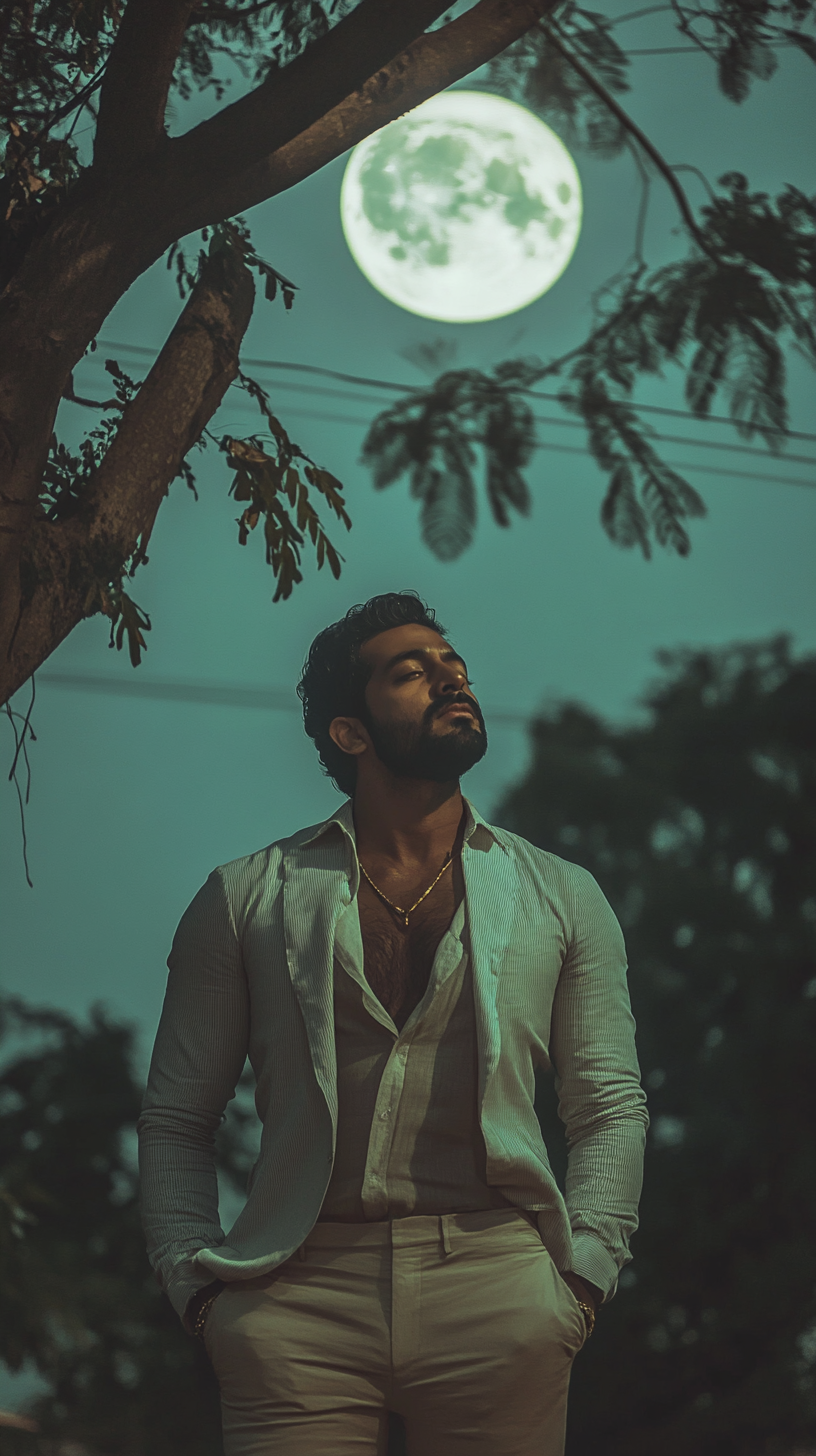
pixel 78 1299
pixel 81 219
pixel 700 824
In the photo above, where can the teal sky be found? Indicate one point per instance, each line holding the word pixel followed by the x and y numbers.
pixel 133 802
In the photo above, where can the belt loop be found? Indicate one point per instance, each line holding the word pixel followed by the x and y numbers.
pixel 301 1253
pixel 446 1238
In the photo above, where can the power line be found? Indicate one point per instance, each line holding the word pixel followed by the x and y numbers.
pixel 776 45
pixel 693 465
pixel 213 694
pixel 568 424
pixel 275 700
pixel 392 387
pixel 345 419
pixel 636 14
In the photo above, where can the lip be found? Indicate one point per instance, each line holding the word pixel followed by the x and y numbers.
pixel 458 708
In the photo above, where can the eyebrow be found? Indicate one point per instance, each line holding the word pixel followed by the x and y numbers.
pixel 447 656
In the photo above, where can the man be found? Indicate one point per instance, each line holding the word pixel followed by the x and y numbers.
pixel 395 975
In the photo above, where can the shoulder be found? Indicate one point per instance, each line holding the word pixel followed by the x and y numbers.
pixel 261 872
pixel 549 884
pixel 541 867
pixel 552 885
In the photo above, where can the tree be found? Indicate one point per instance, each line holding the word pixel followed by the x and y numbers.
pixel 77 1296
pixel 700 824
pixel 79 230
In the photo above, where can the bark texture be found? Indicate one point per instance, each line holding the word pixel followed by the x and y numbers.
pixel 424 68
pixel 63 562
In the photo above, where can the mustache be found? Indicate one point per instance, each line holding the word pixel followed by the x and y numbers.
pixel 435 709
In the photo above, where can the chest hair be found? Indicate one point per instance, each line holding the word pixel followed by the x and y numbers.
pixel 398 959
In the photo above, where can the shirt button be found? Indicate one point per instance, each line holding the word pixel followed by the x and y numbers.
pixel 385 1115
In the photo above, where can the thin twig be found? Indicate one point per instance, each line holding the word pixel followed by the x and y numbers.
pixel 555 366
pixel 73 398
pixel 79 99
pixel 684 24
pixel 701 177
pixel 20 747
pixel 29 880
pixel 634 131
pixel 645 186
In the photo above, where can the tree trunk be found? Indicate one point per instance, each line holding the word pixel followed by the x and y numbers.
pixel 64 564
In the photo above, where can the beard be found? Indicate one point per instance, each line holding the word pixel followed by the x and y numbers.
pixel 414 751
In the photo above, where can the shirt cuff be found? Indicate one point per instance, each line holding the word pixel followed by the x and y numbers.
pixel 591 1260
pixel 185 1281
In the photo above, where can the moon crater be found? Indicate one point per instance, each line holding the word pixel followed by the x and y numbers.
pixel 466 209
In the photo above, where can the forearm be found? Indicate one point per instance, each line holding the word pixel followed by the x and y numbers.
pixel 199 1304
pixel 200 1049
pixel 604 1178
pixel 179 1198
pixel 600 1100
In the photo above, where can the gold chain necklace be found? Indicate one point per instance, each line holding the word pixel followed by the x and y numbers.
pixel 423 896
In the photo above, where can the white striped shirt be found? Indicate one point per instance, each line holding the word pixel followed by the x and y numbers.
pixel 251 974
pixel 408 1134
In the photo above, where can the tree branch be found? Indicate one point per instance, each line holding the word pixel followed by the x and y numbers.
pixel 427 66
pixel 634 131
pixel 70 394
pixel 138 75
pixel 121 218
pixel 289 101
pixel 64 562
pixel 110 232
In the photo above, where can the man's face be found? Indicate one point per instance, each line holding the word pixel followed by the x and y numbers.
pixel 422 716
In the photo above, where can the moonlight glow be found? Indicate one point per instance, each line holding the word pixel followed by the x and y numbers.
pixel 466 209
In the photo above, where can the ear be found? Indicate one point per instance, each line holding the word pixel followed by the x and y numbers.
pixel 350 735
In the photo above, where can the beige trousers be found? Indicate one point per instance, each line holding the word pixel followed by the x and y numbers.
pixel 460 1323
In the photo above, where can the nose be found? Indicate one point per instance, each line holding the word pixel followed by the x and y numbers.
pixel 450 678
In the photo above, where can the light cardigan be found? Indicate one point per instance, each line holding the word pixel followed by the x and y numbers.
pixel 251 974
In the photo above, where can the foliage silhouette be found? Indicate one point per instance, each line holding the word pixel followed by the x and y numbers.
pixel 77 1297
pixel 700 824
pixel 724 314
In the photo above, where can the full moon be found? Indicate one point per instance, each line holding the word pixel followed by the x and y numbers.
pixel 466 209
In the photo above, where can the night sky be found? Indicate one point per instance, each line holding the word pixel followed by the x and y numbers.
pixel 134 801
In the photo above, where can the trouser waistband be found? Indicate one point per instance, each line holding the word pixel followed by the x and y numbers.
pixel 415 1229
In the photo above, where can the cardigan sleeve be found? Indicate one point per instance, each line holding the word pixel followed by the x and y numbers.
pixel 199 1054
pixel 601 1102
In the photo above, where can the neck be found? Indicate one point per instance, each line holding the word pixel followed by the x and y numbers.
pixel 406 821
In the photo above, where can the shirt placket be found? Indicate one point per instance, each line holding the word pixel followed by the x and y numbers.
pixel 375 1191
pixel 375 1181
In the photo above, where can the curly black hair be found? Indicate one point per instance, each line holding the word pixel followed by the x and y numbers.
pixel 334 678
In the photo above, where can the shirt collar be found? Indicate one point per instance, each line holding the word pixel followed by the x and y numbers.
pixel 478 832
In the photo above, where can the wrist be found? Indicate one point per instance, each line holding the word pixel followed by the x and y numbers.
pixel 197 1301
pixel 583 1289
pixel 593 1293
